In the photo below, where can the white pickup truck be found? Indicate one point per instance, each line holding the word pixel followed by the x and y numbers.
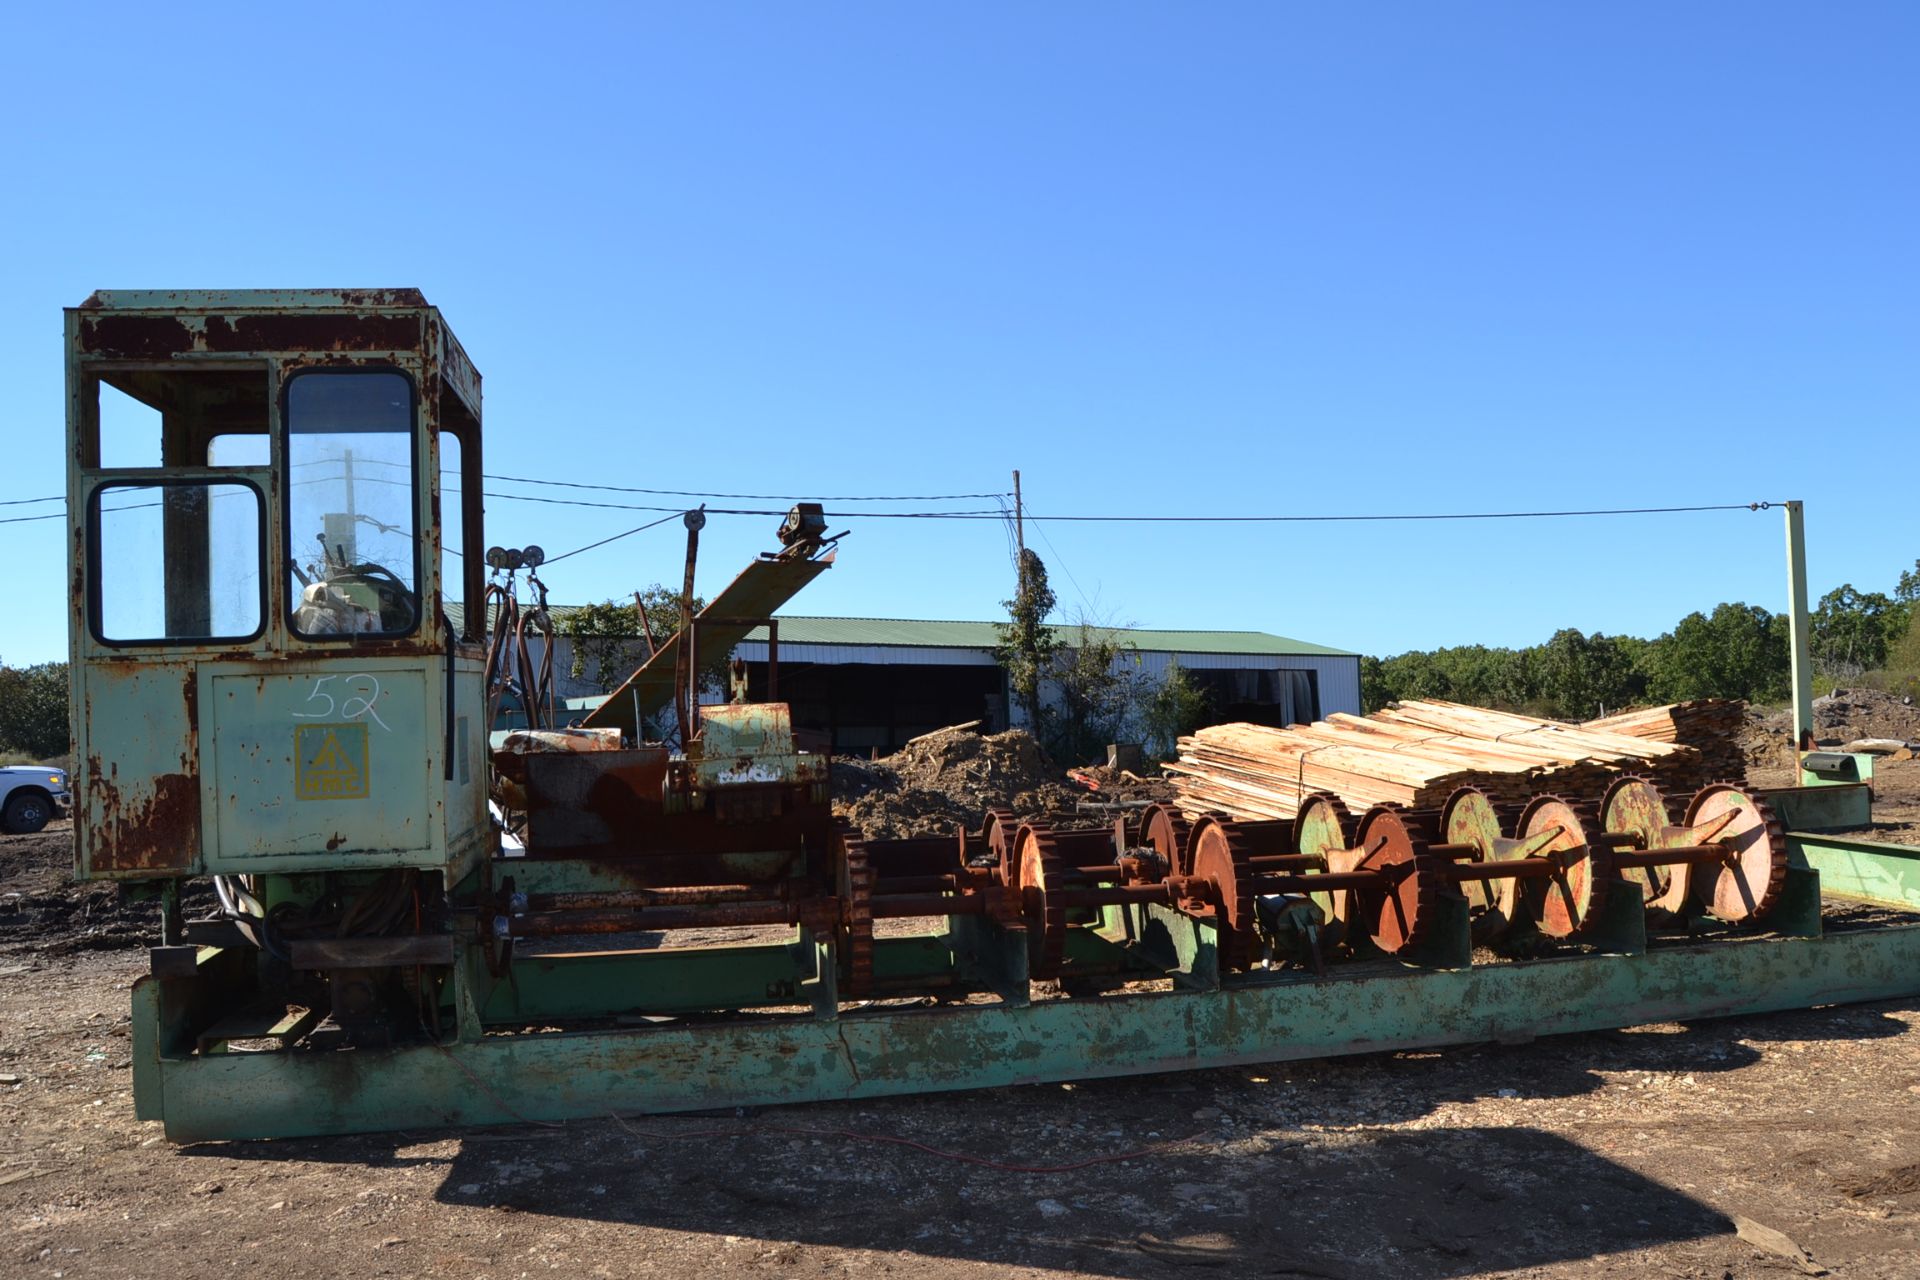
pixel 30 797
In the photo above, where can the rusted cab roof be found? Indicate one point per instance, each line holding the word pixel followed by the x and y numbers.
pixel 168 324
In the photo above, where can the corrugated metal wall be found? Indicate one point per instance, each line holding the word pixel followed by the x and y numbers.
pixel 890 655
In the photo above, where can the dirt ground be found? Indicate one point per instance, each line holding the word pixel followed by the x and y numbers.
pixel 1766 1146
pixel 1896 802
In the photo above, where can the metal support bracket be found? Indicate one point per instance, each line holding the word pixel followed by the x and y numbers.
pixel 1796 913
pixel 1450 944
pixel 993 956
pixel 1620 926
pixel 1187 949
pixel 814 957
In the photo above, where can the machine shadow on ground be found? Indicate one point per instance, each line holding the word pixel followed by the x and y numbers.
pixel 1296 1168
pixel 1420 1205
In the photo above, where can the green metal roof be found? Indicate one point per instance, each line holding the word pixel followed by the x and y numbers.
pixel 939 634
pixel 982 635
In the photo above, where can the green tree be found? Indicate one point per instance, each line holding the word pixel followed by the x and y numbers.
pixel 1095 692
pixel 33 710
pixel 1472 674
pixel 608 644
pixel 1027 644
pixel 1907 590
pixel 1851 630
pixel 1176 706
pixel 1579 675
pixel 1737 651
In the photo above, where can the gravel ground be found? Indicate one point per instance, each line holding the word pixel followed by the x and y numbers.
pixel 1766 1146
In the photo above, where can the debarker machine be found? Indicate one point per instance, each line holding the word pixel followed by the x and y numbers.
pixel 282 683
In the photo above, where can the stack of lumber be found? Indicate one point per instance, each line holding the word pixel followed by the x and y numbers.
pixel 1414 753
pixel 1710 726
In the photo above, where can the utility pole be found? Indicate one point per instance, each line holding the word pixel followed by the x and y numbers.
pixel 1019 541
pixel 1019 526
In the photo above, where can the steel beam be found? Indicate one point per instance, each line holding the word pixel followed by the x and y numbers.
pixel 1863 870
pixel 866 1054
pixel 1799 626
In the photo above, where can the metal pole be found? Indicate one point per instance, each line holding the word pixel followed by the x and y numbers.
pixel 685 676
pixel 646 624
pixel 1019 529
pixel 1799 626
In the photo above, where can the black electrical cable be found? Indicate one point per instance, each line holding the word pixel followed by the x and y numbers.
pixel 759 497
pixel 652 524
pixel 1468 515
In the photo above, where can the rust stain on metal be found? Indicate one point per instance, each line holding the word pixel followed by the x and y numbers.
pixel 136 337
pixel 383 298
pixel 313 332
pixel 156 832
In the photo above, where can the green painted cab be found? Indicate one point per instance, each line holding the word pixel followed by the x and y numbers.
pixel 274 493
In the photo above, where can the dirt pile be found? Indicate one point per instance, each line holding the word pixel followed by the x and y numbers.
pixel 954 776
pixel 1839 716
pixel 42 909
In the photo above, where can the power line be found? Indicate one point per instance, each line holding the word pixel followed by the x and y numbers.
pixel 755 497
pixel 27 502
pixel 744 511
pixel 652 524
pixel 1062 562
pixel 1000 514
pixel 1466 515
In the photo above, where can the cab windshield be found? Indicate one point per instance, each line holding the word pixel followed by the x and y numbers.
pixel 352 543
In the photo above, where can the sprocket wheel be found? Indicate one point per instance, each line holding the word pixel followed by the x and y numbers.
pixel 1748 885
pixel 1469 817
pixel 1165 830
pixel 1566 905
pixel 1323 827
pixel 1634 806
pixel 1392 841
pixel 1039 868
pixel 998 833
pixel 855 882
pixel 1222 859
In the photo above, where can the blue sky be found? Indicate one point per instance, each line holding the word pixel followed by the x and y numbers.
pixel 1165 259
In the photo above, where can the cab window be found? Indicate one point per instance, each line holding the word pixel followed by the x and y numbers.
pixel 353 549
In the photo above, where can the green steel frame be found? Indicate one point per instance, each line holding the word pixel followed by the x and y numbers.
pixel 481 1072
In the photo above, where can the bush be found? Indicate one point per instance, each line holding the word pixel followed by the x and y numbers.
pixel 1172 709
pixel 33 711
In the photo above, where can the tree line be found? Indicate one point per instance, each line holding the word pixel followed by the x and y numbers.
pixel 1736 651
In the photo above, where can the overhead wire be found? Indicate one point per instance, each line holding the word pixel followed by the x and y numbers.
pixel 1062 562
pixel 651 524
pixel 757 497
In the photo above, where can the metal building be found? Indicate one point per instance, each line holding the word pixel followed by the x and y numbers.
pixel 875 682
